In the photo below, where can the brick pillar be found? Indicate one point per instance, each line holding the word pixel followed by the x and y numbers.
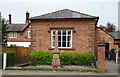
pixel 101 57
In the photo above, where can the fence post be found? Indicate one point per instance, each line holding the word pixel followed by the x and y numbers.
pixel 4 61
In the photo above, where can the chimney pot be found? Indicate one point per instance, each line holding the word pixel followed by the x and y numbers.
pixel 27 17
pixel 10 19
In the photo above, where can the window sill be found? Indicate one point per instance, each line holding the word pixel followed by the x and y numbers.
pixel 13 37
pixel 63 48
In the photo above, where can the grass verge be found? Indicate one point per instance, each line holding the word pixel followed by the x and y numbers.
pixel 56 69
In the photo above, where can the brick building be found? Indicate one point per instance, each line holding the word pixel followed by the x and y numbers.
pixel 77 32
pixel 104 37
pixel 19 34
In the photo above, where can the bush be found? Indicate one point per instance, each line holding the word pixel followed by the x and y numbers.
pixel 76 59
pixel 10 57
pixel 45 58
pixel 41 58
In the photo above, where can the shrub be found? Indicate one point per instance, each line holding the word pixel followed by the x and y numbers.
pixel 40 58
pixel 10 57
pixel 76 59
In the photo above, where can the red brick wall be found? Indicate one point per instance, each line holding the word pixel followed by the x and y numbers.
pixel 103 37
pixel 83 39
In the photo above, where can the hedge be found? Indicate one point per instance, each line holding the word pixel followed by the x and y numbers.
pixel 10 57
pixel 45 58
pixel 76 59
pixel 41 58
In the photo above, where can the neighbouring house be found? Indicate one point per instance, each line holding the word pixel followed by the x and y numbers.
pixel 107 39
pixel 77 32
pixel 19 34
pixel 116 36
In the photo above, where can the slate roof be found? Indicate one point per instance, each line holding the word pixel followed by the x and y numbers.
pixel 16 27
pixel 63 14
pixel 116 35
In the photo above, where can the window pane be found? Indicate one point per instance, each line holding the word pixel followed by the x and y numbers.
pixel 53 32
pixel 59 32
pixel 14 34
pixel 68 44
pixel 63 44
pixel 59 38
pixel 53 44
pixel 53 38
pixel 64 32
pixel 69 32
pixel 59 44
pixel 11 34
pixel 29 34
pixel 64 39
pixel 69 38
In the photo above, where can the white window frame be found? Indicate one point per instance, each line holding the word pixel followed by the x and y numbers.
pixel 29 34
pixel 61 38
pixel 13 34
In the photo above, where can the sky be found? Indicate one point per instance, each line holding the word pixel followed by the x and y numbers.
pixel 107 10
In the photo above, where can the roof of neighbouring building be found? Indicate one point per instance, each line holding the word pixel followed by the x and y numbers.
pixel 63 14
pixel 116 35
pixel 16 27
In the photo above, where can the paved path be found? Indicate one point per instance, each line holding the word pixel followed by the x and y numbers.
pixel 111 69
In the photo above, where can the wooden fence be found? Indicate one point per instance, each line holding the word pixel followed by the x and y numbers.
pixel 21 55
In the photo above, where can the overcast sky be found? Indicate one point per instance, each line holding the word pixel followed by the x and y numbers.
pixel 107 10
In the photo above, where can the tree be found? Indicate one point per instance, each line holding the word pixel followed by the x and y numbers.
pixel 108 28
pixel 3 28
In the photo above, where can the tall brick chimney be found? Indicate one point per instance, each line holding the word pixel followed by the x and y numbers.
pixel 27 17
pixel 10 19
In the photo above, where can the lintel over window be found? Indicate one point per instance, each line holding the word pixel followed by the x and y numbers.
pixel 62 28
pixel 51 28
